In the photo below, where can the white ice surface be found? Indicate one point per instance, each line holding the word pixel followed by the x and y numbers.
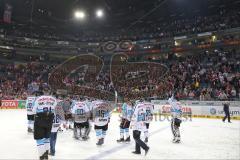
pixel 201 139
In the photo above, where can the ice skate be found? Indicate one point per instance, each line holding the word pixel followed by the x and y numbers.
pixel 30 130
pixel 177 140
pixel 127 139
pixel 100 142
pixel 75 137
pixel 146 151
pixel 120 140
pixel 135 152
pixel 76 134
pixel 41 157
pixel 45 155
pixel 84 138
pixel 51 154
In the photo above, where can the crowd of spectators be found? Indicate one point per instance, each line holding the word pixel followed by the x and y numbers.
pixel 207 76
pixel 140 79
pixel 18 80
pixel 83 75
pixel 213 75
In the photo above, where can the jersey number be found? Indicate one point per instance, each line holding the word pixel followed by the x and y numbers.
pixel 79 111
pixel 101 113
pixel 56 119
pixel 29 106
pixel 45 109
pixel 141 116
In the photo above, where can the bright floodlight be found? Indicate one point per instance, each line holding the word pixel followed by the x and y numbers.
pixel 99 13
pixel 79 14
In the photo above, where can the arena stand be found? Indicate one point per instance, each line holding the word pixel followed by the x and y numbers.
pixel 201 55
pixel 160 29
pixel 207 76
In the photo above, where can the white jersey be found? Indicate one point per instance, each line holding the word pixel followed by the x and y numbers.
pixel 80 112
pixel 45 104
pixel 58 116
pixel 140 116
pixel 29 105
pixel 57 121
pixel 127 111
pixel 101 112
pixel 89 104
pixel 176 108
pixel 149 112
pixel 72 104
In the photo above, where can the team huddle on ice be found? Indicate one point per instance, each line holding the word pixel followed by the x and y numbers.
pixel 46 117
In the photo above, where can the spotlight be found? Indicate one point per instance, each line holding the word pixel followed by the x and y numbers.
pixel 79 15
pixel 99 13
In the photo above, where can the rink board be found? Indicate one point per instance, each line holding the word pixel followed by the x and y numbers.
pixel 199 109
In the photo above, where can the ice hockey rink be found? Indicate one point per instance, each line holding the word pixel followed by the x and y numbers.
pixel 201 139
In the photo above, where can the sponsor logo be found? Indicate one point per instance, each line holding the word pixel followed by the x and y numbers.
pixel 195 102
pixel 232 113
pixel 9 104
pixel 211 104
pixel 213 111
pixel 185 110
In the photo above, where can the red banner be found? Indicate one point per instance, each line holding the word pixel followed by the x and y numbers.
pixel 233 42
pixel 167 109
pixel 9 104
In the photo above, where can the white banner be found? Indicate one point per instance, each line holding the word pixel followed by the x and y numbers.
pixel 204 108
pixel 204 34
pixel 181 37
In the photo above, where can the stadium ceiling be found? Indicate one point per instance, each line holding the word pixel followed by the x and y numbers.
pixel 118 13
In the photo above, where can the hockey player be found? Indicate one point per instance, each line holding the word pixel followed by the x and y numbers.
pixel 149 117
pixel 126 114
pixel 176 112
pixel 101 116
pixel 89 105
pixel 59 119
pixel 44 109
pixel 30 115
pixel 67 106
pixel 81 114
pixel 138 124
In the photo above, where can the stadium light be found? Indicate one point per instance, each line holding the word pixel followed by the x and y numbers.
pixel 79 15
pixel 214 38
pixel 99 13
